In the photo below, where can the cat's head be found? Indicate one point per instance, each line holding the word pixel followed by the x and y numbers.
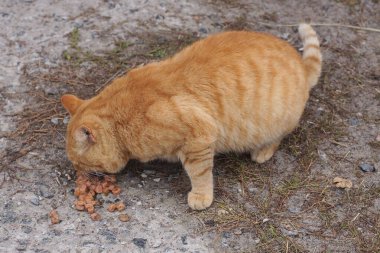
pixel 91 144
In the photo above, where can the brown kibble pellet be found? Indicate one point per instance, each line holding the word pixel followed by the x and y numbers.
pixel 92 193
pixel 79 203
pixel 92 187
pixel 112 208
pixel 83 188
pixel 106 191
pixel 95 217
pixel 79 207
pixel 120 206
pixel 76 192
pixel 54 217
pixel 99 189
pixel 91 209
pixel 111 179
pixel 123 217
pixel 89 205
pixel 116 190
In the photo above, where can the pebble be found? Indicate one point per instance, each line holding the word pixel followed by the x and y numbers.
pixel 138 203
pixel 45 192
pixel 265 220
pixel 202 30
pixel 222 212
pixel 285 36
pixel 157 180
pixel 289 232
pixel 323 155
pixel 353 121
pixel 139 242
pixel 55 121
pixel 378 138
pixel 238 232
pixel 66 120
pixel 110 236
pixel 26 229
pixel 256 241
pixel 156 243
pixel 184 239
pixel 365 167
pixel 226 234
pixel 143 175
pixel 51 91
pixel 35 200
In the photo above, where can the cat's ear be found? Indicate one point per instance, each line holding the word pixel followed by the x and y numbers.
pixel 85 135
pixel 71 103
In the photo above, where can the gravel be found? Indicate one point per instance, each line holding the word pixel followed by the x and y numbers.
pixel 365 167
pixel 139 242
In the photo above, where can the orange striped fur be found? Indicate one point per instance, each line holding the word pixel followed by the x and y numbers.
pixel 233 91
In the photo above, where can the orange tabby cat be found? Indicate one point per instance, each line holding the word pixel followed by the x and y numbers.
pixel 233 91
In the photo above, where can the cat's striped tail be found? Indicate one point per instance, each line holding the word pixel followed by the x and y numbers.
pixel 312 57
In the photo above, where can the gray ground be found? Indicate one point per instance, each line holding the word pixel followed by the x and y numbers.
pixel 288 204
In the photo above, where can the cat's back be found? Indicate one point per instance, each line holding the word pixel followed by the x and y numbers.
pixel 233 45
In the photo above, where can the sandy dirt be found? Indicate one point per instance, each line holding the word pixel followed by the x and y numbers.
pixel 288 204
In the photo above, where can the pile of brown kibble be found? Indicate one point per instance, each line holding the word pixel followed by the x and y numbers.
pixel 88 187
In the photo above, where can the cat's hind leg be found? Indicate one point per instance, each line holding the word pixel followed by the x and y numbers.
pixel 264 153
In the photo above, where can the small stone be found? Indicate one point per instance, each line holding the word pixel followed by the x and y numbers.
pixel 26 229
pixel 265 220
pixel 210 223
pixel 184 239
pixel 138 203
pixel 238 232
pixel 156 243
pixel 365 167
pixel 55 121
pixel 51 91
pixel 378 137
pixel 202 30
pixel 289 232
pixel 66 120
pixel 45 192
pixel 140 185
pixel 222 212
pixel 323 155
pixel 157 180
pixel 256 241
pixel 35 201
pixel 285 36
pixel 226 234
pixel 353 121
pixel 143 175
pixel 139 242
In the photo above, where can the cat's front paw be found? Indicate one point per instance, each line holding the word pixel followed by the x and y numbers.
pixel 198 201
